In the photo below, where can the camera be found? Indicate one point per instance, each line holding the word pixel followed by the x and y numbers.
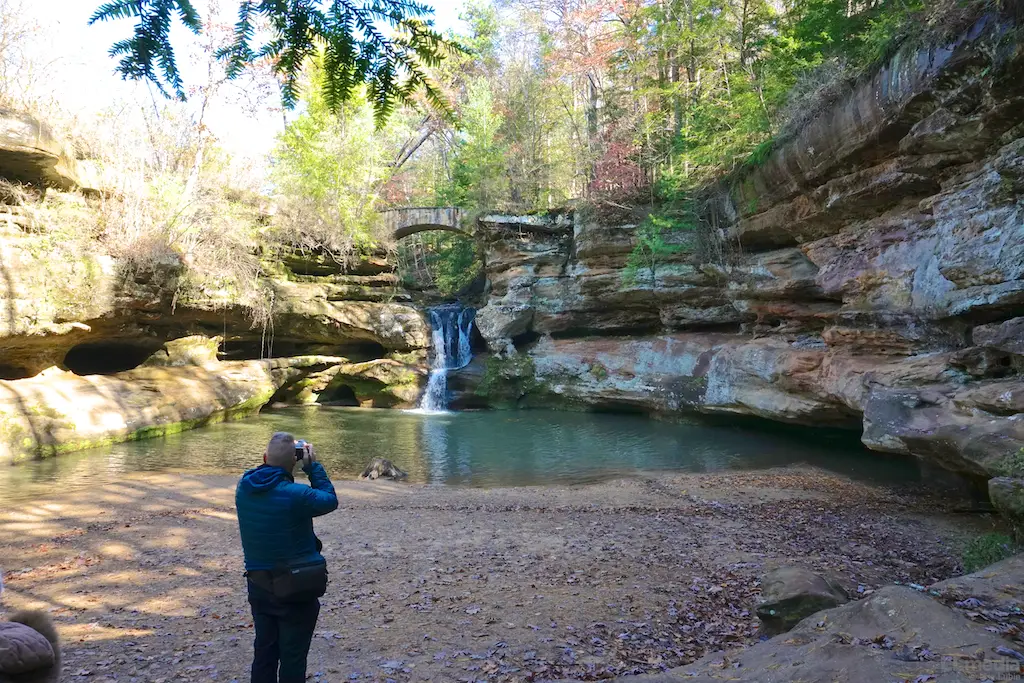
pixel 300 449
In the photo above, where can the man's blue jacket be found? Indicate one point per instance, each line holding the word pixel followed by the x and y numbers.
pixel 275 515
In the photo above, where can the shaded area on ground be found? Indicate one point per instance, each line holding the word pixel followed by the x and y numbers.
pixel 143 573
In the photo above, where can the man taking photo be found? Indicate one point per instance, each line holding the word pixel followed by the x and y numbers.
pixel 286 572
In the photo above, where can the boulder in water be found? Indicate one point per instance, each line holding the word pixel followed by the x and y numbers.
pixel 789 594
pixel 382 468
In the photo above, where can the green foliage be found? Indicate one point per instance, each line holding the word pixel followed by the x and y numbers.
pixel 1011 465
pixel 330 168
pixel 720 80
pixel 652 246
pixel 649 251
pixel 990 548
pixel 455 263
pixel 760 154
pixel 446 261
pixel 350 34
pixel 478 164
pixel 886 30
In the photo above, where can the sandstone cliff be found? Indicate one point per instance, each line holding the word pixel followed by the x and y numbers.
pixel 96 346
pixel 868 274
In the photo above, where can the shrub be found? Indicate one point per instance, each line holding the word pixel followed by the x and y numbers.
pixel 652 248
pixel 990 548
pixel 1011 465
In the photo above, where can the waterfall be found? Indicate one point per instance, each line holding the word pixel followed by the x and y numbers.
pixel 451 325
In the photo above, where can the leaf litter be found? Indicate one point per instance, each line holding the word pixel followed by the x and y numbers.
pixel 584 583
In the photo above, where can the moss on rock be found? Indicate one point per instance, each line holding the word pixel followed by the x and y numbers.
pixel 59 412
pixel 507 381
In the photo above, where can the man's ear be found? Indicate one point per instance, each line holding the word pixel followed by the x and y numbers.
pixel 264 457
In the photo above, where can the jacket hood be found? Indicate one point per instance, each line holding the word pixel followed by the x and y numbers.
pixel 264 478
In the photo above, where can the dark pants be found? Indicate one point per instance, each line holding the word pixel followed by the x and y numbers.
pixel 283 634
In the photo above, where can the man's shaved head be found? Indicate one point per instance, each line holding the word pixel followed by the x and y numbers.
pixel 281 451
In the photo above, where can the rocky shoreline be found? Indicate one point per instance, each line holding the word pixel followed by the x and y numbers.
pixel 867 273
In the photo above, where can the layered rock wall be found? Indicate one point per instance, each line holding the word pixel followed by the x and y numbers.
pixel 48 306
pixel 94 348
pixel 868 274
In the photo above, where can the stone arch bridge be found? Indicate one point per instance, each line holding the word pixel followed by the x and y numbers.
pixel 411 220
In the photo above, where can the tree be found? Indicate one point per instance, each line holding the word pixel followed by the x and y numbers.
pixel 328 169
pixel 477 166
pixel 356 50
pixel 25 68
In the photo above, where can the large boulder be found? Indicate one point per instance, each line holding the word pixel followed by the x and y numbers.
pixel 464 384
pixel 968 429
pixel 500 323
pixel 789 594
pixel 1007 495
pixel 948 633
pixel 381 383
pixel 23 651
pixel 897 634
pixel 314 312
pixel 56 412
pixel 193 350
pixel 1007 336
pixel 382 468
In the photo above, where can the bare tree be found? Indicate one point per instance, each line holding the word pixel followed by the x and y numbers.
pixel 23 67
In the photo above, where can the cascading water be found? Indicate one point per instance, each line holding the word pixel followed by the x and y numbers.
pixel 451 325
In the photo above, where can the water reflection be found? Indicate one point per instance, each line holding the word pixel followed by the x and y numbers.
pixel 477 449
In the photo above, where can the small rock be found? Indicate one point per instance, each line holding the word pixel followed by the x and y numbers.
pixel 789 594
pixel 382 468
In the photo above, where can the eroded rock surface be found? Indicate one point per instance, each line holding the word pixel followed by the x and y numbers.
pixel 50 306
pixel 31 153
pixel 789 594
pixel 869 274
pixel 59 411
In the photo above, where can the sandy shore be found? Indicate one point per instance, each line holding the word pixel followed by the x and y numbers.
pixel 458 584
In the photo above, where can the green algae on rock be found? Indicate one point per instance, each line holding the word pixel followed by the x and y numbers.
pixel 57 412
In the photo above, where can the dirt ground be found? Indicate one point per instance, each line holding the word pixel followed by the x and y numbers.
pixel 144 576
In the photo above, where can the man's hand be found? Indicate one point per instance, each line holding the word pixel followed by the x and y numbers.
pixel 319 497
pixel 309 458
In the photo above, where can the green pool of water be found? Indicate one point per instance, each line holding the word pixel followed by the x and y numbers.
pixel 471 448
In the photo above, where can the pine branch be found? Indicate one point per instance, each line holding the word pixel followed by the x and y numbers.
pixel 149 49
pixel 356 51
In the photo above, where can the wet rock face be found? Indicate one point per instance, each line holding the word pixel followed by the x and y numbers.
pixel 1007 494
pixel 870 274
